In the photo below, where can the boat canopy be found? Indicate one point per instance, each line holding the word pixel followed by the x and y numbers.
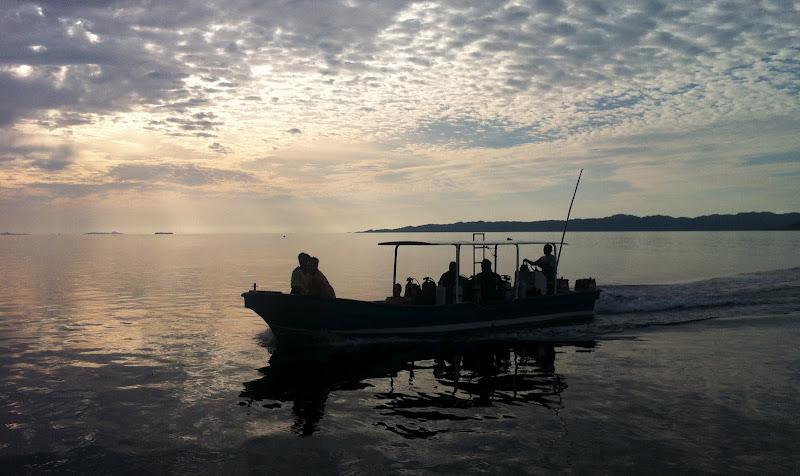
pixel 464 243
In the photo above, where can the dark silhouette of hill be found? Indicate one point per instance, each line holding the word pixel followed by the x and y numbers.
pixel 739 221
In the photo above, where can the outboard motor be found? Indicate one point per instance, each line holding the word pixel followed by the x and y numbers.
pixel 428 291
pixel 562 286
pixel 413 291
pixel 587 284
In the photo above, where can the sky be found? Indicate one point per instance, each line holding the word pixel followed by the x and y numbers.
pixel 290 116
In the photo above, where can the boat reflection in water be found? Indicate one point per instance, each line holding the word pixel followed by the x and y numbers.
pixel 416 390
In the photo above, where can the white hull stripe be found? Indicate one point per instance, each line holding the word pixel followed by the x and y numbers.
pixel 463 326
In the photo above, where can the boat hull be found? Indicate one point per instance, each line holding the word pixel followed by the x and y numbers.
pixel 292 316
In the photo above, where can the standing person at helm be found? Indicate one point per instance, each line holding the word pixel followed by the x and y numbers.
pixel 547 264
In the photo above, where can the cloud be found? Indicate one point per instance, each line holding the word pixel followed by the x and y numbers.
pixel 468 132
pixel 528 63
pixel 197 121
pixel 219 148
pixel 792 156
pixel 43 157
pixel 65 119
pixel 63 190
pixel 51 165
pixel 552 7
pixel 435 97
pixel 393 177
pixel 182 174
pixel 20 96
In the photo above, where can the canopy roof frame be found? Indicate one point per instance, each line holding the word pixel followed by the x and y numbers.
pixel 465 242
pixel 458 244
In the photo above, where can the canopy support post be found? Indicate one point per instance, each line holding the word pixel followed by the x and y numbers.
pixel 458 275
pixel 516 274
pixel 394 271
pixel 555 284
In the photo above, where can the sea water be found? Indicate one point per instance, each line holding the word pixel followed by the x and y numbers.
pixel 126 353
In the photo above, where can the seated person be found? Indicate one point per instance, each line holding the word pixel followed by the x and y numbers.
pixel 320 287
pixel 396 298
pixel 448 279
pixel 547 264
pixel 489 282
pixel 525 281
pixel 301 276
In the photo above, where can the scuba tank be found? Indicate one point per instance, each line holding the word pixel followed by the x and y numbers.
pixel 476 290
pixel 428 291
pixel 413 291
pixel 505 288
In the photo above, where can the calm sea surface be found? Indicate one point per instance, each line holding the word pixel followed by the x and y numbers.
pixel 135 354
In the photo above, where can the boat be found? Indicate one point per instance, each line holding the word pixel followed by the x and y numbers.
pixel 313 319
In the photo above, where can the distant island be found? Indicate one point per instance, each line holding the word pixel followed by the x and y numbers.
pixel 103 233
pixel 163 233
pixel 8 233
pixel 737 222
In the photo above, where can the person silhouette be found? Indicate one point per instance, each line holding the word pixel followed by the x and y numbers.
pixel 547 264
pixel 301 277
pixel 489 282
pixel 320 286
pixel 448 280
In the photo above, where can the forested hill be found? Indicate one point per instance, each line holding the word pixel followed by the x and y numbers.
pixel 739 221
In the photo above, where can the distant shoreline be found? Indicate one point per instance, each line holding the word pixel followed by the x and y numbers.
pixel 751 221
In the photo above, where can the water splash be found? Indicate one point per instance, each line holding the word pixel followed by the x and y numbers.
pixel 771 287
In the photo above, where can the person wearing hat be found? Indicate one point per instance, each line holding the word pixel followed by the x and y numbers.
pixel 547 264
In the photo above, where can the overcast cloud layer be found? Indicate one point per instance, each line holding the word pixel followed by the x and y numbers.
pixel 140 115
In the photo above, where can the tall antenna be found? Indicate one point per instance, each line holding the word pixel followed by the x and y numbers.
pixel 564 233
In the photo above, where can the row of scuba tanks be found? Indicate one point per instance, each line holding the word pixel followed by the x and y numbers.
pixel 429 293
pixel 424 293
